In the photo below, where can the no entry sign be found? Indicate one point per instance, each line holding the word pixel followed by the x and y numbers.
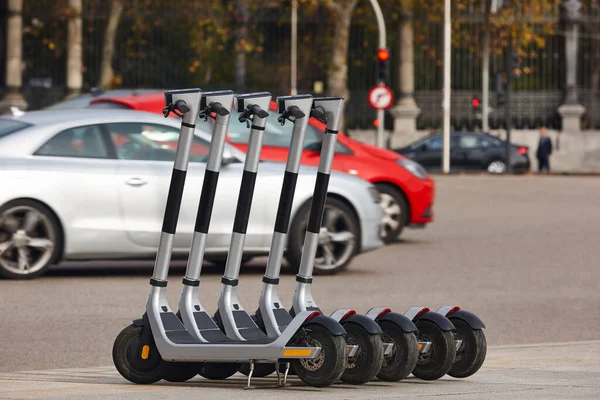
pixel 381 97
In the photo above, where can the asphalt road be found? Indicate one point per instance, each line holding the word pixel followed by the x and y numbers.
pixel 521 252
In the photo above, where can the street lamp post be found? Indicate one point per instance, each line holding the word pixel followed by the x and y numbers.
pixel 446 103
pixel 294 66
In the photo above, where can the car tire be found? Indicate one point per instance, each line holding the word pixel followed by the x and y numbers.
pixel 30 239
pixel 345 225
pixel 393 222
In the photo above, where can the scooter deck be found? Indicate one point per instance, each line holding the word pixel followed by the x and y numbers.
pixel 208 329
pixel 247 328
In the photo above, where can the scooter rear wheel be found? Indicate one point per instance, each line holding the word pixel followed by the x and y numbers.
pixel 260 370
pixel 329 366
pixel 181 371
pixel 128 356
pixel 403 359
pixel 472 352
pixel 439 359
pixel 219 371
pixel 368 360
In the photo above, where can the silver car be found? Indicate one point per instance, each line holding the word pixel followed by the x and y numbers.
pixel 92 184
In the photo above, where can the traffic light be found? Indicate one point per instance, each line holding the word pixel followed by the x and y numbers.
pixel 383 55
pixel 476 103
pixel 516 65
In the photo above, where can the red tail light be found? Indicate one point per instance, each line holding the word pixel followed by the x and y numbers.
pixel 312 315
pixel 522 150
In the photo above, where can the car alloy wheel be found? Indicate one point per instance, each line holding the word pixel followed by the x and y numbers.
pixel 497 167
pixel 27 240
pixel 339 238
pixel 337 242
pixel 392 214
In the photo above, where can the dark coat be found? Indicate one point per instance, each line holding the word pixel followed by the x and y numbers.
pixel 544 148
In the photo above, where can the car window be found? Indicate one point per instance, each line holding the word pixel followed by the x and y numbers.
pixel 277 135
pixel 8 126
pixel 435 144
pixel 152 142
pixel 469 142
pixel 82 141
pixel 490 142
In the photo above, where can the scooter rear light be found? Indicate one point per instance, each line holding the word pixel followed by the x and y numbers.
pixel 522 150
pixel 383 312
pixel 422 311
pixel 453 309
pixel 312 315
pixel 348 313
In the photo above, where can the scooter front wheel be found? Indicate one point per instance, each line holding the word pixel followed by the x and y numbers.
pixel 472 351
pixel 181 371
pixel 439 358
pixel 403 359
pixel 365 365
pixel 219 371
pixel 137 361
pixel 329 366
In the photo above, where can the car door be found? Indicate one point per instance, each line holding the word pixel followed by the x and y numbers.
pixel 77 162
pixel 146 154
pixel 429 153
pixel 473 151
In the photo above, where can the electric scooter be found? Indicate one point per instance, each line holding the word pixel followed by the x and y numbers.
pixel 271 315
pixel 144 351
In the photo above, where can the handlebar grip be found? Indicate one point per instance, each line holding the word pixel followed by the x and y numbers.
pixel 319 114
pixel 256 110
pixel 295 112
pixel 181 106
pixel 219 109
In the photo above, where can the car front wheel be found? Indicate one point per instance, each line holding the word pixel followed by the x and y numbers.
pixel 30 239
pixel 394 210
pixel 338 238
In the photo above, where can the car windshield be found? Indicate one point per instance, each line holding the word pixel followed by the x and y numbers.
pixel 8 126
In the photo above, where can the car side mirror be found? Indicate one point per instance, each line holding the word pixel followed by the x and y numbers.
pixel 314 146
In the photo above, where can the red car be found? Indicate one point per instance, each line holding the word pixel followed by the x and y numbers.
pixel 407 192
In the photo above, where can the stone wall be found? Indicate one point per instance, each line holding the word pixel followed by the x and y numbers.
pixel 575 152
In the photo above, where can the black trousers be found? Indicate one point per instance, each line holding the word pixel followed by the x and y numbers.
pixel 543 163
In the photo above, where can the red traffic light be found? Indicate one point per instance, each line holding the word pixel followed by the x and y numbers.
pixel 383 54
pixel 475 102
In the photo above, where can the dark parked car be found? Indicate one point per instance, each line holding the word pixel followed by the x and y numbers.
pixel 468 151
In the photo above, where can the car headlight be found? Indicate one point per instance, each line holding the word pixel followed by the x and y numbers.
pixel 375 194
pixel 414 168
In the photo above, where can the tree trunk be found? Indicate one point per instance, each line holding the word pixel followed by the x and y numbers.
pixel 108 49
pixel 241 36
pixel 337 76
pixel 74 51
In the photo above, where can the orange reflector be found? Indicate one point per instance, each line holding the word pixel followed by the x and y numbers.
pixel 297 353
pixel 419 346
pixel 145 352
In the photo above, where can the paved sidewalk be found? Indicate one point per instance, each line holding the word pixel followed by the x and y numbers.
pixel 542 371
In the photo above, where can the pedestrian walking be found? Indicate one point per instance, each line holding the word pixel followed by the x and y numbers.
pixel 544 150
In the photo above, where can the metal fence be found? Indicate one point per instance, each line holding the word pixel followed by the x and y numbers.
pixel 155 49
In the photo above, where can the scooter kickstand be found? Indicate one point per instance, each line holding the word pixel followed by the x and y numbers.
pixel 248 386
pixel 278 374
pixel 287 369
